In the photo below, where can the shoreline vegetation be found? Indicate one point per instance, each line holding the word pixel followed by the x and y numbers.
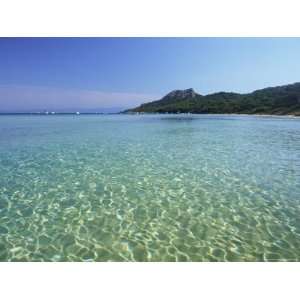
pixel 149 113
pixel 281 100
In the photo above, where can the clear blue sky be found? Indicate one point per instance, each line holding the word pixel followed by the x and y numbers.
pixel 92 73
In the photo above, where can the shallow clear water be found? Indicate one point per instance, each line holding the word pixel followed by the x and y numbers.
pixel 149 188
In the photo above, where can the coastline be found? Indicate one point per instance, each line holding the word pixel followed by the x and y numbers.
pixel 213 114
pixel 147 113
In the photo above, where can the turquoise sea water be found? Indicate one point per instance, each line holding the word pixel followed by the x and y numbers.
pixel 149 188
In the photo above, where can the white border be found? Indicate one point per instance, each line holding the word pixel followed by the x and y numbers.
pixel 149 18
pixel 149 281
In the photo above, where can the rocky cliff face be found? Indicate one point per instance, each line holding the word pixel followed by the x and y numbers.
pixel 181 94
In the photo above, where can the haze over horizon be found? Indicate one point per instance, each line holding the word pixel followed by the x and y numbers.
pixel 110 74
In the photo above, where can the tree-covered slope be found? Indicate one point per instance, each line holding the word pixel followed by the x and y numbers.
pixel 281 100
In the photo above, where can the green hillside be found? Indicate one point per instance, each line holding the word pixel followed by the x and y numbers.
pixel 281 100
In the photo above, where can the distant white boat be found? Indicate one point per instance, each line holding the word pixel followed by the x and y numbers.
pixel 77 113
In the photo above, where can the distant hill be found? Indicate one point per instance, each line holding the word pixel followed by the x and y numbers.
pixel 280 100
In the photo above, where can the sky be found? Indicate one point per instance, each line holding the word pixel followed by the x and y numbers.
pixel 109 74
